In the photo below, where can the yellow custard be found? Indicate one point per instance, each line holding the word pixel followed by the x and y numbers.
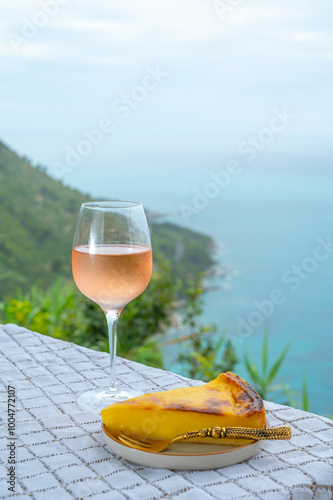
pixel 227 401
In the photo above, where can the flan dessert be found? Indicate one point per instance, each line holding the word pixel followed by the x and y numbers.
pixel 227 401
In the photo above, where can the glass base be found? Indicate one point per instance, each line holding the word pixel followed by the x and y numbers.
pixel 96 400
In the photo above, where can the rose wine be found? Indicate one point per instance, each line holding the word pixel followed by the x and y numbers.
pixel 112 275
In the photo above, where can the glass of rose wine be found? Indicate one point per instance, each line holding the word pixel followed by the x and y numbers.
pixel 112 265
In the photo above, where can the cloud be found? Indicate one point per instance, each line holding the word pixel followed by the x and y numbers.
pixel 225 75
pixel 315 38
pixel 130 32
pixel 254 14
pixel 118 29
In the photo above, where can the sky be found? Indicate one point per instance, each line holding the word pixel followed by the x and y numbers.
pixel 91 87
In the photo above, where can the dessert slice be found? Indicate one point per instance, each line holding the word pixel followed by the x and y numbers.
pixel 227 401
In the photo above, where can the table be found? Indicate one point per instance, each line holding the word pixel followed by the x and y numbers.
pixel 60 452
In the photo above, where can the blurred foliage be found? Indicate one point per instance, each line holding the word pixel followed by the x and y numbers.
pixel 295 398
pixel 188 252
pixel 148 354
pixel 203 357
pixel 263 379
pixel 64 313
pixel 152 312
pixel 38 216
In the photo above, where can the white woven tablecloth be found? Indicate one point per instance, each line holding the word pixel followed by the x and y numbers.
pixel 61 453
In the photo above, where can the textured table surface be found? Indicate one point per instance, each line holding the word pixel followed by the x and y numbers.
pixel 60 451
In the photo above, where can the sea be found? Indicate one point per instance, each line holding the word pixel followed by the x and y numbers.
pixel 273 237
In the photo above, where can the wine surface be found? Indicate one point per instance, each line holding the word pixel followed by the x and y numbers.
pixel 113 275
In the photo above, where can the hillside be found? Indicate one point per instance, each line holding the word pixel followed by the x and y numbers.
pixel 37 220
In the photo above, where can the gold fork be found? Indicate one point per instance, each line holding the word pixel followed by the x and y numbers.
pixel 157 445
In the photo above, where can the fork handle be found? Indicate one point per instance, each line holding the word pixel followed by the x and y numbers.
pixel 283 432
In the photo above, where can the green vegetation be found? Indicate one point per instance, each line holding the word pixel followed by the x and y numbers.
pixel 295 398
pixel 38 216
pixel 203 357
pixel 188 252
pixel 264 380
pixel 63 312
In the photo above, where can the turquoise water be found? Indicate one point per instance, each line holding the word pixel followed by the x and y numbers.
pixel 263 223
pixel 269 223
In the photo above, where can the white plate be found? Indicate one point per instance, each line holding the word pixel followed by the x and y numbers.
pixel 186 456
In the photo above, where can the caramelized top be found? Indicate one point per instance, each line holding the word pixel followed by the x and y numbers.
pixel 228 394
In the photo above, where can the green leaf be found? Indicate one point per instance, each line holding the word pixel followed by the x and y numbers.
pixel 277 365
pixel 305 396
pixel 253 370
pixel 265 352
pixel 32 314
pixel 8 274
pixel 278 387
pixel 220 342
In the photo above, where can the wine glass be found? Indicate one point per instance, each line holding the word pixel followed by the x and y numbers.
pixel 112 265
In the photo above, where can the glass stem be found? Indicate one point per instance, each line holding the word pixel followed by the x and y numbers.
pixel 112 317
